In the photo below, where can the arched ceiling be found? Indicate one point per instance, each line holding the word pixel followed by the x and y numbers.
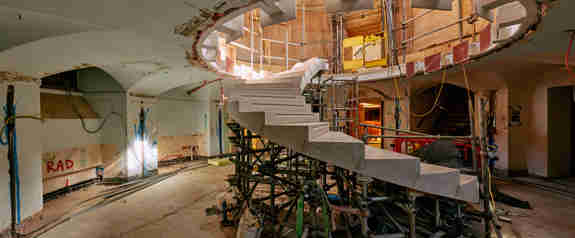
pixel 134 40
pixel 131 40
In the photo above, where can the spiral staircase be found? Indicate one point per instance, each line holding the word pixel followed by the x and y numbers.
pixel 275 109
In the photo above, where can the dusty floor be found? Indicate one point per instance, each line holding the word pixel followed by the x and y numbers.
pixel 173 208
pixel 176 206
pixel 552 216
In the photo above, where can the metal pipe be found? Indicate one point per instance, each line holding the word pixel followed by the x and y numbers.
pixel 10 125
pixel 391 35
pixel 283 42
pixel 281 58
pixel 395 130
pixel 436 30
pixel 411 214
pixel 419 137
pixel 242 46
pixel 271 57
pixel 417 17
pixel 204 83
pixel 460 13
pixel 356 106
pixel 287 47
pixel 473 133
pixel 252 40
pixel 261 49
pixel 484 170
pixel 381 119
pixel 404 7
pixel 437 214
pixel 302 29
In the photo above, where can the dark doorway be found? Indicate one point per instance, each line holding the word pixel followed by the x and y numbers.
pixel 451 114
pixel 560 115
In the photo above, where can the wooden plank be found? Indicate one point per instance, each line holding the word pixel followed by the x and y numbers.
pixel 60 106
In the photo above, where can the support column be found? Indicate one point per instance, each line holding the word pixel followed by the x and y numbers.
pixel 28 150
pixel 142 152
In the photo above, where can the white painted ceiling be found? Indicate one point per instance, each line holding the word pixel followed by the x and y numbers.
pixel 133 40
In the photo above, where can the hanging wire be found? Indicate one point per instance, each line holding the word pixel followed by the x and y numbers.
pixel 435 103
pixel 3 130
pixel 83 122
pixel 79 115
pixel 468 87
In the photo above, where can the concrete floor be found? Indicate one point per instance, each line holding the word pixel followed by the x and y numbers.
pixel 173 208
pixel 176 208
pixel 552 216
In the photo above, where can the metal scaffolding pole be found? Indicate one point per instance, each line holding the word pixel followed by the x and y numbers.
pixel 420 137
pixel 287 46
pixel 252 40
pixel 395 130
pixel 417 17
pixel 10 126
pixel 441 28
pixel 261 49
pixel 302 56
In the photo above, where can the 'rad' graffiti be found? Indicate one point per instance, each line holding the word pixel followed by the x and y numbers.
pixel 61 165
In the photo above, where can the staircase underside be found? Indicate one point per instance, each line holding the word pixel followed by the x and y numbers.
pixel 275 109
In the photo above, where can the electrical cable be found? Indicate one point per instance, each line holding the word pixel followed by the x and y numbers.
pixel 490 192
pixel 436 101
pixel 14 148
pixel 468 87
pixel 398 93
pixel 568 53
pixel 83 122
pixel 2 131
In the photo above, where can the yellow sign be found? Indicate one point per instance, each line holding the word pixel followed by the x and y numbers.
pixel 364 51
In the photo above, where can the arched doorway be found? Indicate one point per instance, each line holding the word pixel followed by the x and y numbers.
pixel 449 117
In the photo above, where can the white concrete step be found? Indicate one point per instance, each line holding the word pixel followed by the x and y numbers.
pixel 438 180
pixel 468 188
pixel 390 166
pixel 338 149
pixel 275 106
pixel 287 82
pixel 492 4
pixel 510 14
pixel 239 91
pixel 270 99
pixel 285 118
pixel 314 129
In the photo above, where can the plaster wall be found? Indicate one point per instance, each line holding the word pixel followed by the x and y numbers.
pixel 540 161
pixel 69 154
pixel 182 124
pixel 29 143
pixel 502 128
pixel 520 91
pixel 107 98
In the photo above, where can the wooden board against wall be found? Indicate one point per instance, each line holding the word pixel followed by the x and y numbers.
pixel 70 166
pixel 174 147
pixel 70 160
pixel 60 106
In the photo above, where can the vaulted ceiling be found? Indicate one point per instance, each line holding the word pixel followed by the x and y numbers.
pixel 134 40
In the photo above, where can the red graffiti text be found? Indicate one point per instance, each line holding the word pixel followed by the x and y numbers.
pixel 61 165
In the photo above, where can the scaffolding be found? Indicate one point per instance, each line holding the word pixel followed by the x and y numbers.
pixel 274 183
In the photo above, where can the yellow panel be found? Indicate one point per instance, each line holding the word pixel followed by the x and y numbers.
pixel 372 38
pixel 353 41
pixel 364 41
pixel 352 64
pixel 375 63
